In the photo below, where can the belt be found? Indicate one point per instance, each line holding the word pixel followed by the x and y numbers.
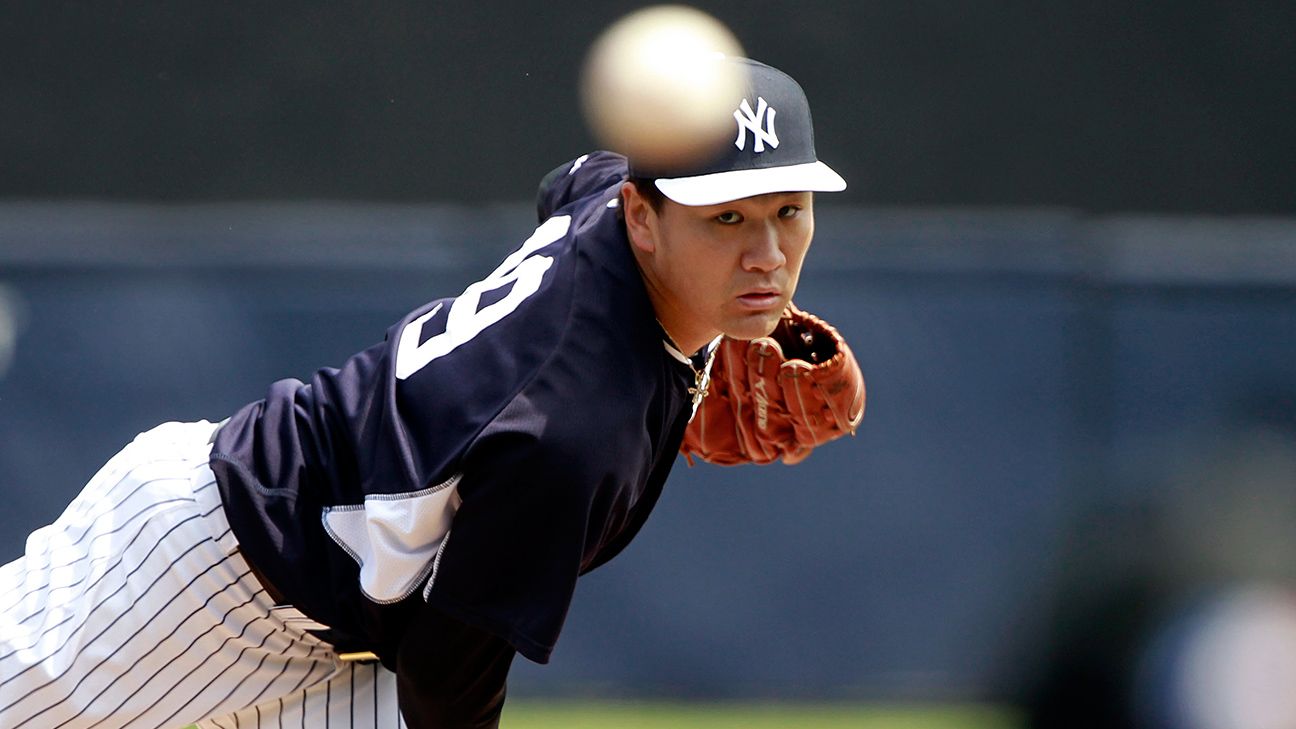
pixel 342 647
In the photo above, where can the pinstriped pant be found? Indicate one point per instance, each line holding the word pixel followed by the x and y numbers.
pixel 135 609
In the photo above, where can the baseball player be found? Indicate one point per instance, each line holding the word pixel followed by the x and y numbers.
pixel 373 547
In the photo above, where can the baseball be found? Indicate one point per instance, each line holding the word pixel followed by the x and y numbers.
pixel 655 88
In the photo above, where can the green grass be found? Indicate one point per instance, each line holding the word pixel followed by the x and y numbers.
pixel 531 714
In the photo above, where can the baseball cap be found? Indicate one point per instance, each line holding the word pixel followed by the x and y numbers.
pixel 772 149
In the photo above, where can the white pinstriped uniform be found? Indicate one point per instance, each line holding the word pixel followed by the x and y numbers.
pixel 135 609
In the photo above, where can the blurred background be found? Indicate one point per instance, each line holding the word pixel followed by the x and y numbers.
pixel 1066 260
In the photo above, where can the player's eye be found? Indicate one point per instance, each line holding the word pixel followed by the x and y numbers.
pixel 729 217
pixel 789 211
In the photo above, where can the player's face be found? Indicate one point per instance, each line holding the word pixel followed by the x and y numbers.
pixel 729 268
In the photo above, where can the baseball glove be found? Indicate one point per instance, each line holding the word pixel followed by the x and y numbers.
pixel 778 396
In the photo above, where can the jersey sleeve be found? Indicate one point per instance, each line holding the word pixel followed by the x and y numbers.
pixel 518 542
pixel 451 675
pixel 576 179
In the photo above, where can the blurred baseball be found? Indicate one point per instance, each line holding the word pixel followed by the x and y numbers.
pixel 656 88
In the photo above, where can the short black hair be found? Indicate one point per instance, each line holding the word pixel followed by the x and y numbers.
pixel 647 186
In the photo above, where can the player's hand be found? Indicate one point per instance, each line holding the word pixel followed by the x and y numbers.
pixel 778 397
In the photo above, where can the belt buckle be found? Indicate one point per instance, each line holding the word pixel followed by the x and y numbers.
pixel 358 657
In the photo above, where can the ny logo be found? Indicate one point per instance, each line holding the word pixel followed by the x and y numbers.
pixel 751 121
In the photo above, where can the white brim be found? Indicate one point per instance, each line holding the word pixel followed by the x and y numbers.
pixel 723 187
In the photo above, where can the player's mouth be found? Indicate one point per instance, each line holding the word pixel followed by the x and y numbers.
pixel 761 299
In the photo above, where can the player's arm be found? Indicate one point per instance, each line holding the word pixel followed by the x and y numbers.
pixel 451 675
pixel 778 397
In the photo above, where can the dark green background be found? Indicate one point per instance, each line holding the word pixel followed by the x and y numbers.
pixel 1098 105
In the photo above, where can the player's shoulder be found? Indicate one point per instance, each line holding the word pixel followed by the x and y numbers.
pixel 568 297
pixel 588 174
pixel 589 329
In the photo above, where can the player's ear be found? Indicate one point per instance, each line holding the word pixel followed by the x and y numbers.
pixel 639 217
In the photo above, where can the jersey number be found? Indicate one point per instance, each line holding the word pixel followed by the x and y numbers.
pixel 465 320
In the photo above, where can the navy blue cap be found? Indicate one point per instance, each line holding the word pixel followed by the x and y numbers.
pixel 772 149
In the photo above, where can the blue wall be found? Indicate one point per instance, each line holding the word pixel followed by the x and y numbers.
pixel 1026 369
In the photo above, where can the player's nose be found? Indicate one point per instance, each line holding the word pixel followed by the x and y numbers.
pixel 764 248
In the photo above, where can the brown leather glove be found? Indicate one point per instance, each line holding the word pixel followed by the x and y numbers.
pixel 778 396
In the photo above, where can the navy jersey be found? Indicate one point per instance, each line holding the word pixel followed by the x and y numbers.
pixel 495 446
